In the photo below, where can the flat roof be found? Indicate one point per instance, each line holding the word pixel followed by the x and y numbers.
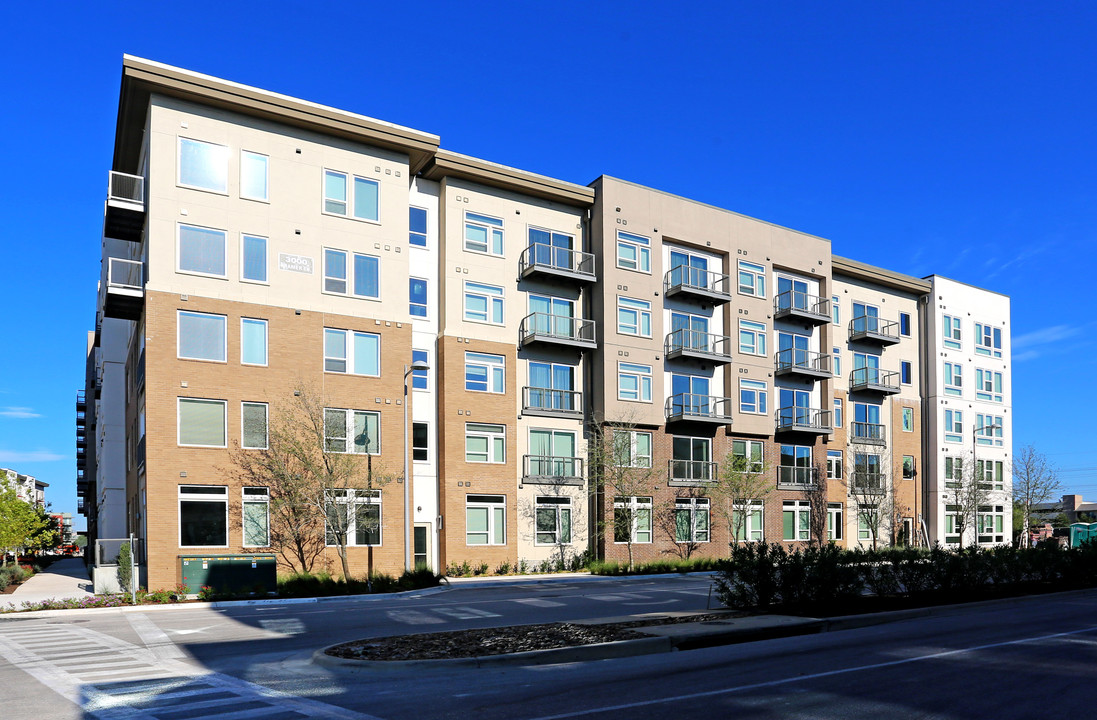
pixel 450 164
pixel 932 278
pixel 878 275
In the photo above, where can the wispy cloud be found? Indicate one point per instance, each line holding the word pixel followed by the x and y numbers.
pixel 1026 355
pixel 20 413
pixel 996 267
pixel 1053 334
pixel 22 456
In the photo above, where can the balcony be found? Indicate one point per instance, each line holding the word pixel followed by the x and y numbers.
pixel 551 262
pixel 864 433
pixel 80 505
pixel 698 345
pixel 803 419
pixel 556 330
pixel 688 407
pixel 125 289
pixel 797 305
pixel 690 472
pixel 803 363
pixel 552 469
pixel 692 283
pixel 545 402
pixel 867 483
pixel 868 328
pixel 125 212
pixel 81 401
pixel 795 477
pixel 874 380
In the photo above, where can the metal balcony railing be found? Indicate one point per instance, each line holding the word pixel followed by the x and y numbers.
pixel 805 419
pixel 561 262
pixel 867 433
pixel 706 285
pixel 557 329
pixel 699 345
pixel 868 482
pixel 871 379
pixel 792 361
pixel 546 401
pixel 795 476
pixel 802 305
pixel 125 274
pixel 567 470
pixel 874 329
pixel 691 471
pixel 124 217
pixel 701 408
pixel 126 188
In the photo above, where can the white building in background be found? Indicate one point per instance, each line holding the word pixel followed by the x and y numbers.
pixel 968 413
pixel 27 488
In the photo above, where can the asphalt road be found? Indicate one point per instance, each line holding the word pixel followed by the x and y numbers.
pixel 1003 660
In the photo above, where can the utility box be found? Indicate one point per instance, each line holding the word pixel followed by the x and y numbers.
pixel 229 573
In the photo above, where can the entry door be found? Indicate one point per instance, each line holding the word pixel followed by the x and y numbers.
pixel 797 290
pixel 689 331
pixel 865 318
pixel 552 453
pixel 866 368
pixel 795 406
pixel 421 546
pixel 793 349
pixel 688 269
pixel 554 315
pixel 550 386
pixel 690 394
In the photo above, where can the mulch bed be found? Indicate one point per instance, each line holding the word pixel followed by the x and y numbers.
pixel 503 640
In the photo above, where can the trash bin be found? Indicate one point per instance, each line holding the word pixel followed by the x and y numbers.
pixel 229 573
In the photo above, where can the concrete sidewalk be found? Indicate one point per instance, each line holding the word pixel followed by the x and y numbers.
pixel 63 579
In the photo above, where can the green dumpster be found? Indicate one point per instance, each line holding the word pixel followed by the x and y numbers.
pixel 1081 533
pixel 229 573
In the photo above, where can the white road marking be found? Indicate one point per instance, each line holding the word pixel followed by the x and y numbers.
pixel 413 617
pixel 465 613
pixel 153 637
pixel 617 597
pixel 537 602
pixel 284 626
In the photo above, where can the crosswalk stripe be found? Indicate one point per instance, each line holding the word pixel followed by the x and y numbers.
pixel 538 602
pixel 413 617
pixel 466 613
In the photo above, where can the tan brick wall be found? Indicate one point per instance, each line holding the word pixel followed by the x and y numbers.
pixel 908 493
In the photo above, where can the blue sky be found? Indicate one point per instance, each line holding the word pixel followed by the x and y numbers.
pixel 930 137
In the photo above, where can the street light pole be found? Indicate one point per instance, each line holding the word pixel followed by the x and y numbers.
pixel 408 370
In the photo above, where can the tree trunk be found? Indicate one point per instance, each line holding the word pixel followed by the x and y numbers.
pixel 343 560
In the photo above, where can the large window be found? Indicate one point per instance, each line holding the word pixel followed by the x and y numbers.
pixel 950 331
pixel 954 379
pixel 201 251
pixel 988 385
pixel 795 468
pixel 201 336
pixel 254 176
pixel 417 227
pixel 904 324
pixel 633 252
pixel 990 474
pixel 633 317
pixel 417 291
pixel 361 201
pixel 838 412
pixel 954 472
pixel 748 455
pixel 796 520
pixel 420 442
pixel 752 337
pixel 553 520
pixel 483 303
pixel 485 443
pixel 632 448
pixel 352 431
pixel 253 425
pixel 203 165
pixel 954 426
pixel 485 373
pixel 483 234
pixel 632 519
pixel 355 514
pixel 634 382
pixel 420 379
pixel 485 520
pixel 365 272
pixel 201 422
pixel 835 521
pixel 691 520
pixel 834 464
pixel 255 516
pixel 253 341
pixel 203 516
pixel 988 429
pixel 352 352
pixel 753 397
pixel 752 279
pixel 253 258
pixel 747 521
pixel 988 340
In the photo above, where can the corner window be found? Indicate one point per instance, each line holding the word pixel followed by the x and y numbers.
pixel 203 516
pixel 201 422
pixel 253 341
pixel 752 279
pixel 201 336
pixel 633 382
pixel 352 431
pixel 417 226
pixel 691 520
pixel 350 352
pixel 255 517
pixel 485 373
pixel 485 443
pixel 633 317
pixel 253 176
pixel 361 201
pixel 417 288
pixel 203 165
pixel 752 338
pixel 253 258
pixel 553 520
pixel 483 303
pixel 753 396
pixel 253 426
pixel 633 252
pixel 201 251
pixel 485 520
pixel 988 340
pixel 483 234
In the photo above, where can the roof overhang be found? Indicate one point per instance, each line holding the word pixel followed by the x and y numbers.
pixel 878 276
pixel 451 164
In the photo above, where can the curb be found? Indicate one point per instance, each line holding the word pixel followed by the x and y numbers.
pixel 489 581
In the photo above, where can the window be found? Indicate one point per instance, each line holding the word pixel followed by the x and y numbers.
pixel 904 372
pixel 954 426
pixel 954 379
pixel 908 467
pixel 419 378
pixel 417 290
pixel 747 521
pixel 203 165
pixel 796 520
pixel 552 454
pixel 633 317
pixel 954 521
pixel 752 337
pixel 553 520
pixel 633 382
pixel 483 303
pixel 352 431
pixel 990 474
pixel 691 520
pixel 988 340
pixel 988 429
pixel 350 352
pixel 752 279
pixel 836 360
pixel 908 419
pixel 747 455
pixel 366 274
pixel 419 441
pixel 835 311
pixel 203 516
pixel 201 422
pixel 954 472
pixel 256 516
pixel 691 460
pixel 363 203
pixel 633 252
pixel 834 521
pixel 795 466
pixel 253 258
pixel 201 336
pixel 485 443
pixel 837 412
pixel 632 519
pixel 483 234
pixel 417 225
pixel 952 334
pixel 254 176
pixel 988 385
pixel 753 396
pixel 485 373
pixel 834 464
pixel 866 521
pixel 904 324
pixel 632 448
pixel 355 515
pixel 551 386
pixel 201 251
pixel 253 425
pixel 485 520
pixel 253 341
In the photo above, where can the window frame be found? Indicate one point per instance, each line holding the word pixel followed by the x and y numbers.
pixel 801 527
pixel 412 305
pixel 559 504
pixel 350 274
pixel 904 324
pixel 835 521
pixel 490 300
pixel 995 379
pixel 642 309
pixel 179 165
pixel 634 456
pixel 179 251
pixel 754 510
pixel 490 506
pixel 351 499
pixel 244 237
pixel 907 412
pixel 954 425
pixel 906 372
pixel 758 332
pixel 835 471
pixel 179 421
pixel 350 191
pixel 484 221
pixel 636 370
pixel 642 246
pixel 349 415
pixel 415 449
pixel 993 335
pixel 244 321
pixel 412 234
pixel 202 497
pixel 350 357
pixel 489 368
pixel 761 397
pixel 695 507
pixel 751 467
pixel 266 176
pixel 491 436
pixel 420 376
pixel 254 498
pixel 179 336
pixel 839 412
pixel 952 378
pixel 635 504
pixel 266 425
pixel 757 272
pixel 952 334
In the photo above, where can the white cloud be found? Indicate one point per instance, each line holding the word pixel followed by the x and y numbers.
pixel 1053 334
pixel 1026 355
pixel 21 456
pixel 18 412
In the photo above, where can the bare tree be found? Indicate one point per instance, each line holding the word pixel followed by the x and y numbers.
pixel 684 526
pixel 872 490
pixel 818 495
pixel 549 519
pixel 741 483
pixel 1035 480
pixel 969 495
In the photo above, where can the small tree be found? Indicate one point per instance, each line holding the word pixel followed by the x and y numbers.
pixel 740 481
pixel 969 495
pixel 21 524
pixel 680 524
pixel 1035 481
pixel 818 495
pixel 872 490
pixel 551 522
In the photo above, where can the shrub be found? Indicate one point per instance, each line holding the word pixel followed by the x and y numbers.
pixel 125 567
pixel 503 568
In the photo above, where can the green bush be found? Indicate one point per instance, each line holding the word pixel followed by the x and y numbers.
pixel 125 567
pixel 655 567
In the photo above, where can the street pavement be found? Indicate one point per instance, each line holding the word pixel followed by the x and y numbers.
pixel 63 579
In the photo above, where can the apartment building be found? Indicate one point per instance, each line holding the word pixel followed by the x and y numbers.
pixel 471 328
pixel 27 488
